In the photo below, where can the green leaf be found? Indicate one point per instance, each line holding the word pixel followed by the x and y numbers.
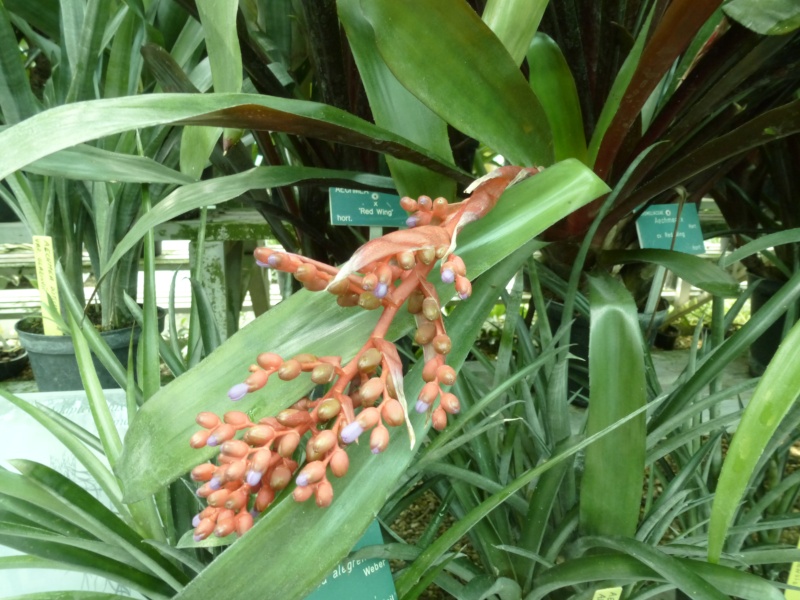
pixel 761 243
pixel 87 163
pixel 611 488
pixel 101 415
pixel 91 463
pixel 86 57
pixel 165 424
pixel 767 17
pixel 69 596
pixel 554 85
pixel 17 102
pixel 698 271
pixel 446 56
pixel 622 568
pixel 395 109
pixel 73 124
pixel 514 23
pixel 771 401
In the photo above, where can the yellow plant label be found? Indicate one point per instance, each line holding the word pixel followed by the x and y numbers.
pixel 794 579
pixel 46 276
pixel 608 594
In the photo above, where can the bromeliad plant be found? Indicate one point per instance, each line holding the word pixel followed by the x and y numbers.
pixel 386 273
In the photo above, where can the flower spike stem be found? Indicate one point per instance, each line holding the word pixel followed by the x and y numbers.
pixel 365 395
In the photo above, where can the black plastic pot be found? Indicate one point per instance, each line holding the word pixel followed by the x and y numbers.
pixel 53 360
pixel 763 349
pixel 13 366
pixel 666 337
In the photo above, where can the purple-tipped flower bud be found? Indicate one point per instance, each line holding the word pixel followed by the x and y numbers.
pixel 351 432
pixel 212 441
pixel 421 407
pixel 196 521
pixel 262 264
pixel 448 276
pixel 238 391
pixel 214 484
pixel 381 290
pixel 274 260
pixel 412 222
pixel 253 478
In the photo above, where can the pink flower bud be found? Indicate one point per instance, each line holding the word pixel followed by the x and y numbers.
pixel 203 472
pixel 450 403
pixel 269 361
pixel 339 463
pixel 280 477
pixel 236 418
pixel 324 494
pixel 208 420
pixel 288 444
pixel 312 473
pixel 244 522
pixel 446 375
pixel 379 439
pixel 256 381
pixel 439 419
pixel 303 493
pixel 392 413
pixel 199 438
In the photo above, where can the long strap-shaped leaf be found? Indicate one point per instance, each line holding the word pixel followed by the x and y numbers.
pixel 69 125
pixel 772 400
pixel 611 488
pixel 447 57
pixel 623 568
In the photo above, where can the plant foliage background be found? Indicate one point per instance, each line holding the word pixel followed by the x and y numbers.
pixel 118 116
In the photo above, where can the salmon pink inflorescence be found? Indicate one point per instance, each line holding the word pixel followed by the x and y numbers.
pixel 364 396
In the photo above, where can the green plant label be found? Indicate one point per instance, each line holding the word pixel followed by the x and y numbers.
pixel 608 594
pixel 365 579
pixel 658 227
pixel 359 207
pixel 794 579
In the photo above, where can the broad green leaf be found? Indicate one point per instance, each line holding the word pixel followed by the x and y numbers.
pixel 87 163
pixel 222 45
pixel 197 143
pixel 395 109
pixel 698 271
pixel 446 56
pixel 622 568
pixel 86 57
pixel 611 488
pixel 125 61
pixel 72 124
pixel 776 393
pixel 554 85
pixel 767 17
pixel 514 23
pixel 165 424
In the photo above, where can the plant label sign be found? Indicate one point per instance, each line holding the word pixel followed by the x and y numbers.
pixel 608 594
pixel 360 207
pixel 46 280
pixel 658 227
pixel 360 579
